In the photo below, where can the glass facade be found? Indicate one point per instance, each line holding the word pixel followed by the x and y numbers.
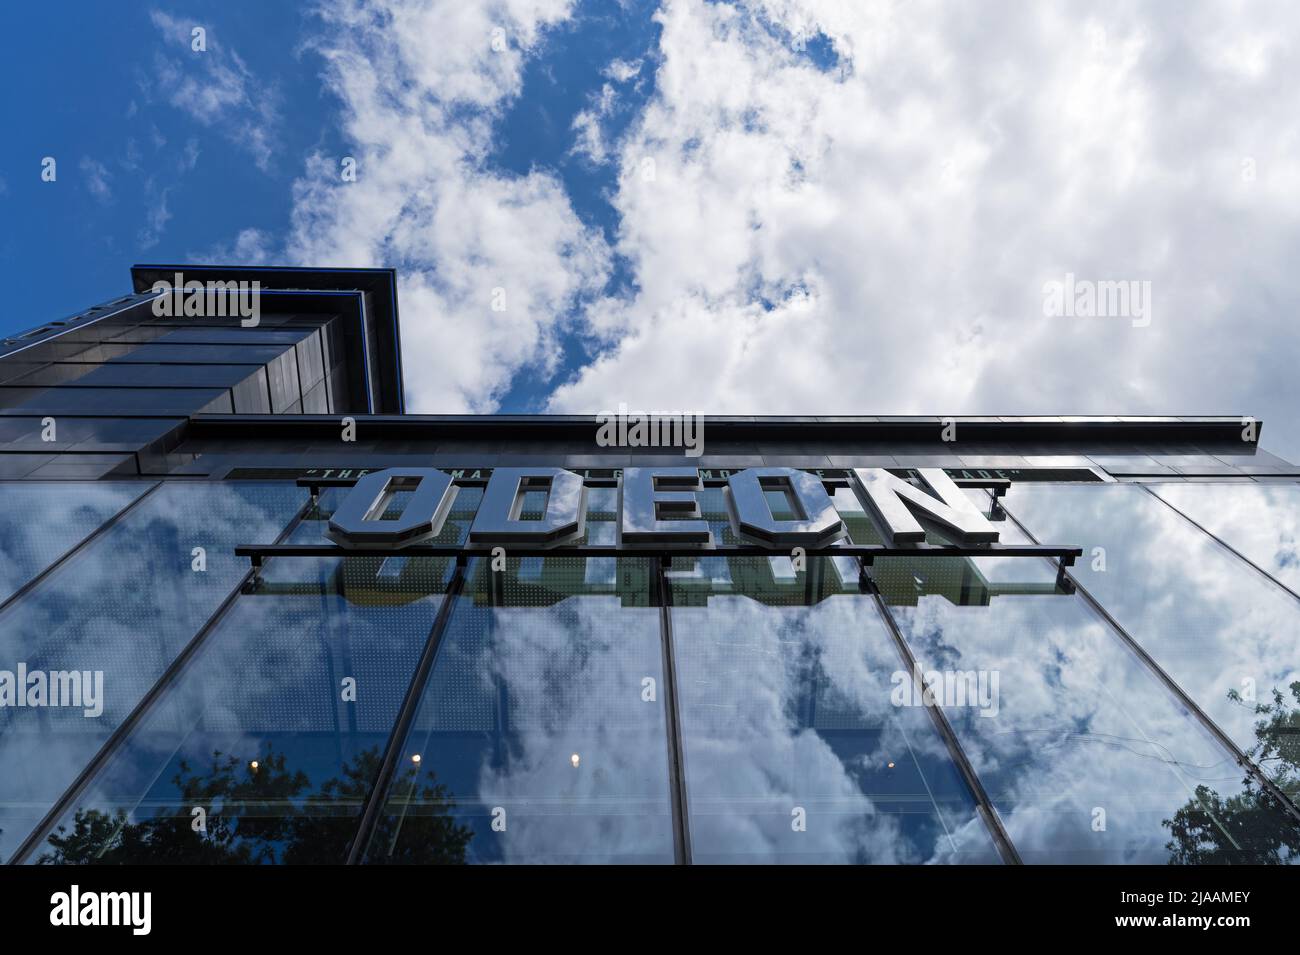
pixel 68 514
pixel 1224 633
pixel 277 726
pixel 541 735
pixel 1259 521
pixel 793 750
pixel 1085 754
pixel 165 702
pixel 104 625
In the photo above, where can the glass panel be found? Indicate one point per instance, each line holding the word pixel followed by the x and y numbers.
pixel 275 732
pixel 541 736
pixel 116 614
pixel 281 765
pixel 40 522
pixel 1260 521
pixel 793 750
pixel 1086 755
pixel 1223 632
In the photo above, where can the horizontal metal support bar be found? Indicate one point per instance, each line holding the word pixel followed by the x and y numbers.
pixel 314 484
pixel 998 486
pixel 866 552
pixel 1078 433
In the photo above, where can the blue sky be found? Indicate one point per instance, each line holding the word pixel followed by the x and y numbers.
pixel 84 88
pixel 715 206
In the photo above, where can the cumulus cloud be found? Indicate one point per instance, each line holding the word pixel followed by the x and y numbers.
pixel 834 208
pixel 215 87
pixel 874 235
pixel 490 261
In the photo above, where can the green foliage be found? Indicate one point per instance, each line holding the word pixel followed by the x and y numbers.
pixel 1249 827
pixel 270 814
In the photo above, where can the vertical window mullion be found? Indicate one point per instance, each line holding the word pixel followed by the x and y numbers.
pixel 405 719
pixel 141 709
pixel 676 758
pixel 1006 848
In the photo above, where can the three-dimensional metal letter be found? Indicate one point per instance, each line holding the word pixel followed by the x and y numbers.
pixel 647 494
pixel 817 523
pixel 498 519
pixel 895 505
pixel 358 521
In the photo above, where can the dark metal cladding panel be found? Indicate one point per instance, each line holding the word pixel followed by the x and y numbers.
pixel 331 331
pixel 234 336
pixel 27 433
pixel 316 399
pixel 311 363
pixel 129 375
pixel 86 467
pixel 14 466
pixel 252 395
pixel 139 334
pixel 337 388
pixel 116 400
pixel 11 371
pixel 57 373
pixel 282 374
pixel 222 400
pixel 157 353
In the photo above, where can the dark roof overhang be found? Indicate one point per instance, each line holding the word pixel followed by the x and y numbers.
pixel 371 297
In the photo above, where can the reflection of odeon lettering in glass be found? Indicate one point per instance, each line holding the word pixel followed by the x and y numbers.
pixel 658 505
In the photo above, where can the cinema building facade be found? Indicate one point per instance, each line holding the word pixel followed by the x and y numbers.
pixel 252 611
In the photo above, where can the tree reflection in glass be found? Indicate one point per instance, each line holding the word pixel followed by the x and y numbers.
pixel 1086 754
pixel 273 730
pixel 269 815
pixel 1197 835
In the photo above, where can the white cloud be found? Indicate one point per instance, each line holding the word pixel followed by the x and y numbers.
pixel 97 178
pixel 215 87
pixel 868 237
pixel 251 247
pixel 623 70
pixel 189 157
pixel 590 137
pixel 874 238
pixel 419 115
pixel 157 216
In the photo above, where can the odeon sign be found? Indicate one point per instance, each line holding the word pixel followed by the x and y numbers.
pixel 657 506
